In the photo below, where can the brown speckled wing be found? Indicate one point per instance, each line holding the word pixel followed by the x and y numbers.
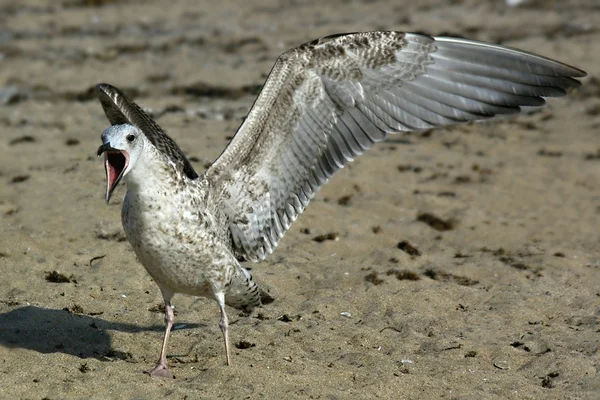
pixel 119 109
pixel 329 100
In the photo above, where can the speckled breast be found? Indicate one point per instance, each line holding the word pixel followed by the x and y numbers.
pixel 169 244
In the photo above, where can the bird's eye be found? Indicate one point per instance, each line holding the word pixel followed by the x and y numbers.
pixel 130 138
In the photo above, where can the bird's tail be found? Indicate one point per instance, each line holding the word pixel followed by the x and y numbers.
pixel 243 293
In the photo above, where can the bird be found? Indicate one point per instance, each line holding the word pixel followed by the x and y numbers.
pixel 323 104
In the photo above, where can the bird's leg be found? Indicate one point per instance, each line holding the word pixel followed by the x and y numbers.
pixel 160 369
pixel 224 324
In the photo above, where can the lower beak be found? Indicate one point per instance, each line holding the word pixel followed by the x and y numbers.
pixel 113 177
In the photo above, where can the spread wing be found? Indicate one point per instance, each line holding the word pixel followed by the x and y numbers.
pixel 329 100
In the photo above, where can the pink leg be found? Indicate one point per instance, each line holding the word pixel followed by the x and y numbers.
pixel 224 325
pixel 160 369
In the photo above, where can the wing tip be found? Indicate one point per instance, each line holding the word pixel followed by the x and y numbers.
pixel 552 67
pixel 104 89
pixel 108 96
pixel 575 72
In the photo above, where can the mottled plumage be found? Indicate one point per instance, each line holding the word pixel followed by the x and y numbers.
pixel 324 103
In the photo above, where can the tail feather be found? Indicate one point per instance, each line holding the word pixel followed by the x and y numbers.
pixel 243 293
pixel 265 297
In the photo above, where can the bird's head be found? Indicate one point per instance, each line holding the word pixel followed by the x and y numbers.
pixel 122 146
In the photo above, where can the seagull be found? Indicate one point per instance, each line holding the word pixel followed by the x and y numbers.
pixel 323 104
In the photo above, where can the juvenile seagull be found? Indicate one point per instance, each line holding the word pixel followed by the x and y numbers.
pixel 324 103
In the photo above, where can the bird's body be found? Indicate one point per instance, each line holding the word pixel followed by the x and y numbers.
pixel 167 221
pixel 172 231
pixel 324 103
pixel 164 220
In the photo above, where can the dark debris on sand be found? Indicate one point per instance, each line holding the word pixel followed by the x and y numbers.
pixel 408 248
pixel 326 236
pixel 436 223
pixel 442 276
pixel 57 277
pixel 403 274
pixel 373 278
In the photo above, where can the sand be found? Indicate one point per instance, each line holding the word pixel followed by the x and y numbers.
pixel 503 302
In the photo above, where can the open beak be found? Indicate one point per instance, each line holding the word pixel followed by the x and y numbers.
pixel 115 164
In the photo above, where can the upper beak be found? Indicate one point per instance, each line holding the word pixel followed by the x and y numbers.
pixel 105 147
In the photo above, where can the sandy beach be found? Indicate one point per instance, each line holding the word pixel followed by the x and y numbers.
pixel 461 263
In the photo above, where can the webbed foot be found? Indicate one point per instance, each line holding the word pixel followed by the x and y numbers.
pixel 161 371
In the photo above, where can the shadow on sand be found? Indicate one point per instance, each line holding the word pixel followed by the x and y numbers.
pixel 59 331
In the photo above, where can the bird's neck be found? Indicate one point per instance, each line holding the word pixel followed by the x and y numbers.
pixel 154 176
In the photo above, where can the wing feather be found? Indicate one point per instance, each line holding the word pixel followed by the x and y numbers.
pixel 328 101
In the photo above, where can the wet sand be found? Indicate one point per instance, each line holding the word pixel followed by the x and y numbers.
pixel 465 262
